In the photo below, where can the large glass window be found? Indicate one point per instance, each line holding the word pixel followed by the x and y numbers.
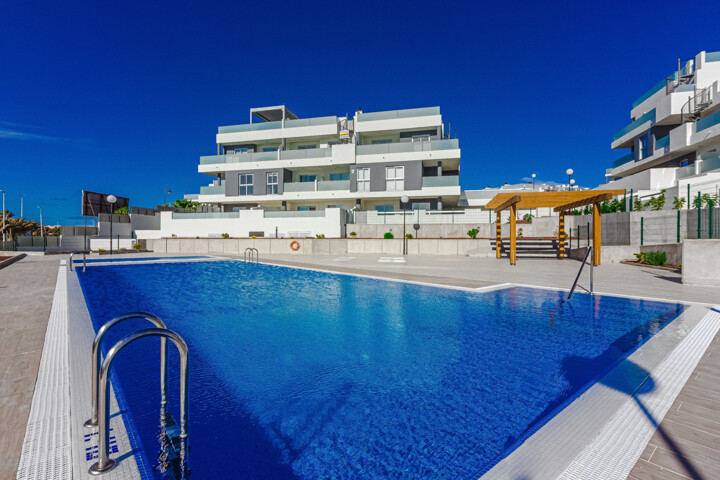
pixel 421 206
pixel 379 141
pixel 272 183
pixel 394 178
pixel 308 178
pixel 270 149
pixel 339 176
pixel 246 184
pixel 363 179
pixel 306 208
pixel 644 147
pixel 306 147
pixel 385 208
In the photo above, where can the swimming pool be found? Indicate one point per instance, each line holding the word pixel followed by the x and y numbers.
pixel 305 374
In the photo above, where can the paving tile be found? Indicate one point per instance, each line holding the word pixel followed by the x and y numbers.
pixel 684 432
pixel 647 471
pixel 711 414
pixel 700 423
pixel 702 401
pixel 647 453
pixel 683 465
pixel 20 375
pixel 692 451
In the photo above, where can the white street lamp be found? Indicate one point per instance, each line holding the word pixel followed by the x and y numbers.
pixel 533 177
pixel 569 173
pixel 22 196
pixel 111 199
pixel 404 200
pixel 3 214
pixel 572 183
pixel 42 228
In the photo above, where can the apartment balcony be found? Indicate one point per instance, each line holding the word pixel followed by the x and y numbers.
pixel 407 147
pixel 248 157
pixel 398 119
pixel 301 122
pixel 213 190
pixel 319 186
pixel 444 181
pixel 295 128
pixel 630 157
pixel 625 137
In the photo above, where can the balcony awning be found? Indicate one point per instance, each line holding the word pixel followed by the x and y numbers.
pixel 272 114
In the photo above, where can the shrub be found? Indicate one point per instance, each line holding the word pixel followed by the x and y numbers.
pixel 389 236
pixel 137 246
pixel 409 236
pixel 121 211
pixel 353 234
pixel 320 235
pixel 253 237
pixel 656 258
pixel 473 233
pixel 225 235
pixel 528 217
pixel 101 250
pixel 678 203
pixel 197 237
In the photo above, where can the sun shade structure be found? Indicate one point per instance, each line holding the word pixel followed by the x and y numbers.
pixel 561 202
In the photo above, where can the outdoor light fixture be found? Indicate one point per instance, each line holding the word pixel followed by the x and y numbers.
pixel 3 214
pixel 533 177
pixel 569 173
pixel 404 200
pixel 572 183
pixel 42 229
pixel 111 199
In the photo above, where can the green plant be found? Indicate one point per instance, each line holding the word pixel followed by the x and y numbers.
pixel 638 205
pixel 137 246
pixel 473 233
pixel 576 212
pixel 121 211
pixel 640 257
pixel 656 203
pixel 409 236
pixel 353 234
pixel 320 235
pixel 528 217
pixel 101 250
pixel 678 203
pixel 656 258
pixel 225 235
pixel 197 237
pixel 388 236
pixel 254 236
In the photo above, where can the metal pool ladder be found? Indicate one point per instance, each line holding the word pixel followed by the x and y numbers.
pixel 575 283
pixel 71 259
pixel 101 392
pixel 252 254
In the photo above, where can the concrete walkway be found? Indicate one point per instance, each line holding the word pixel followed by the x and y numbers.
pixel 26 292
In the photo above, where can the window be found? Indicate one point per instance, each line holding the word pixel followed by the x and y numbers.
pixel 308 178
pixel 394 178
pixel 306 209
pixel 421 206
pixel 384 208
pixel 421 138
pixel 339 176
pixel 238 150
pixel 272 183
pixel 644 144
pixel 306 147
pixel 363 179
pixel 246 184
pixel 381 140
pixel 270 149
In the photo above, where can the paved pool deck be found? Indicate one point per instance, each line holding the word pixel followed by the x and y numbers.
pixel 687 444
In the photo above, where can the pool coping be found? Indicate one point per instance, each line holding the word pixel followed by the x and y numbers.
pixel 654 354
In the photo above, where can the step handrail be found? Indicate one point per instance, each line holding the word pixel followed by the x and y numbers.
pixel 95 368
pixel 253 252
pixel 575 283
pixel 104 462
pixel 71 259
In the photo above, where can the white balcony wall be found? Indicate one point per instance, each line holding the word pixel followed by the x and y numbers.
pixel 406 123
pixel 277 133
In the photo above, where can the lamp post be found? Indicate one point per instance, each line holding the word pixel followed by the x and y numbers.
pixel 22 195
pixel 111 199
pixel 572 183
pixel 533 177
pixel 42 228
pixel 166 192
pixel 569 173
pixel 404 200
pixel 3 213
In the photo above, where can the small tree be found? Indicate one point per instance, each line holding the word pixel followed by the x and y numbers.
pixel 353 234
pixel 656 203
pixel 678 203
pixel 638 204
pixel 389 236
pixel 528 217
pixel 225 235
pixel 409 236
pixel 121 211
pixel 473 233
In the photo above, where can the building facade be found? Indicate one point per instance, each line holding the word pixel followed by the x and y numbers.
pixel 673 141
pixel 367 162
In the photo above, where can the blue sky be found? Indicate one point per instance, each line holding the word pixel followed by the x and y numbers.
pixel 123 98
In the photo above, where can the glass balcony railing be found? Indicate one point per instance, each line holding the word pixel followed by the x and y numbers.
pixel 266 156
pixel 294 214
pixel 712 56
pixel 445 181
pixel 300 122
pixel 334 185
pixel 407 113
pixel 305 153
pixel 207 215
pixel 299 187
pixel 649 116
pixel 656 88
pixel 404 147
pixel 213 190
pixel 630 157
pixel 707 122
pixel 662 142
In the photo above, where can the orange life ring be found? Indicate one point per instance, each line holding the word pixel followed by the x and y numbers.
pixel 294 245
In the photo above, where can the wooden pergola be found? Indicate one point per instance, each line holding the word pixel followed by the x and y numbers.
pixel 562 202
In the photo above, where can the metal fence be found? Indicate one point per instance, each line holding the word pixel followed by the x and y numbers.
pixel 424 217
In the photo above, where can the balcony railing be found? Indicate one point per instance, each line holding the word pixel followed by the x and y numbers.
pixel 712 56
pixel 305 153
pixel 294 214
pixel 623 160
pixel 707 122
pixel 662 142
pixel 649 116
pixel 301 122
pixel 328 185
pixel 299 187
pixel 656 88
pixel 404 147
pixel 204 215
pixel 266 156
pixel 213 190
pixel 407 113
pixel 319 186
pixel 445 181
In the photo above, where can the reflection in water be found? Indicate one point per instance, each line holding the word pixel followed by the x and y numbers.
pixel 172 455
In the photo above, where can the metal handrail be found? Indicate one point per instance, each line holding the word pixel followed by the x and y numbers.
pixel 105 463
pixel 254 254
pixel 95 369
pixel 71 259
pixel 575 283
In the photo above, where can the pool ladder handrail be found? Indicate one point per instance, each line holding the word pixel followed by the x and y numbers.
pixel 575 283
pixel 96 360
pixel 254 255
pixel 104 462
pixel 71 259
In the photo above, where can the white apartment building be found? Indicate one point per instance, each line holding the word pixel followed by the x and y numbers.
pixel 673 141
pixel 279 161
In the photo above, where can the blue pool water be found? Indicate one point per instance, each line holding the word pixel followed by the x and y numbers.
pixel 303 374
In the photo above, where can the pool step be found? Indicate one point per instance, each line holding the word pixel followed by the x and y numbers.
pixel 530 248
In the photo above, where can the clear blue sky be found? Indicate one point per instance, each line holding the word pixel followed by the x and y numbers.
pixel 123 98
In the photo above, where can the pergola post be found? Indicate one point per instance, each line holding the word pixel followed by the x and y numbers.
pixel 596 234
pixel 561 236
pixel 513 234
pixel 498 237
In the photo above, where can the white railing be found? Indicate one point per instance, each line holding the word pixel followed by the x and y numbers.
pixel 423 217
